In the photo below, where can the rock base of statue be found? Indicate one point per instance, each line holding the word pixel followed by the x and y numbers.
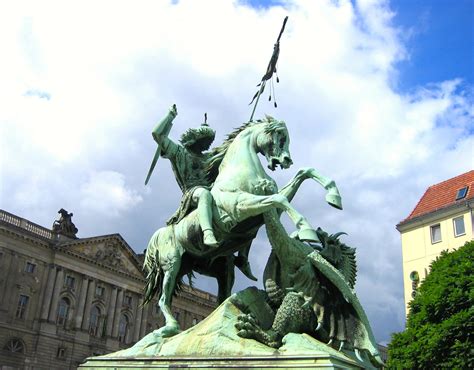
pixel 214 343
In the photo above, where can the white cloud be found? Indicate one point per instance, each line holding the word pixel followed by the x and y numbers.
pixel 105 194
pixel 111 69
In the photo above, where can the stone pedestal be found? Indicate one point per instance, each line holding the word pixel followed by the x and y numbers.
pixel 315 361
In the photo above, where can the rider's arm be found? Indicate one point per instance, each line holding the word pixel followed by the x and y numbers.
pixel 161 131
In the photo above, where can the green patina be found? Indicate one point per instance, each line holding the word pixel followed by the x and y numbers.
pixel 308 305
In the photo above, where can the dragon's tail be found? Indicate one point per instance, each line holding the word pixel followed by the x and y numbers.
pixel 153 270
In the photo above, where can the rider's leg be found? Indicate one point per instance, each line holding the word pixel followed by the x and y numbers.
pixel 203 198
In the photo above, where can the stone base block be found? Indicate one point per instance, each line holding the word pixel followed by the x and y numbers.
pixel 319 361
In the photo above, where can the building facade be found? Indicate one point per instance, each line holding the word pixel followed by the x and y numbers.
pixel 64 298
pixel 443 219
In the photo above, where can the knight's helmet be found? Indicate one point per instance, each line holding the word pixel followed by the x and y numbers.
pixel 200 137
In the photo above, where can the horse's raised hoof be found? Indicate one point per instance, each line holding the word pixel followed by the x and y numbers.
pixel 307 235
pixel 334 198
pixel 167 331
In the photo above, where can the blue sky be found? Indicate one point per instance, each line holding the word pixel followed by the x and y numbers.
pixel 376 95
pixel 439 38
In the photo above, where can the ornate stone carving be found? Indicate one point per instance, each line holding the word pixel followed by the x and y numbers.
pixel 110 255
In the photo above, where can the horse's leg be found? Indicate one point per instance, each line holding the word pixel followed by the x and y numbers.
pixel 225 279
pixel 290 189
pixel 332 197
pixel 252 205
pixel 169 284
pixel 242 261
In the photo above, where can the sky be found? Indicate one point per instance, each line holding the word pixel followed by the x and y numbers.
pixel 377 95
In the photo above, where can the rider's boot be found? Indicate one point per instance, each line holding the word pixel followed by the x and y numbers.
pixel 209 238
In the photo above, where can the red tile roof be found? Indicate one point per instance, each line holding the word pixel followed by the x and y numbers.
pixel 443 195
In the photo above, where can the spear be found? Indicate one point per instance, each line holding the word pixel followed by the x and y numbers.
pixel 271 69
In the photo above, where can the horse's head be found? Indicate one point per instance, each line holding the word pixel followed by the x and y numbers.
pixel 273 142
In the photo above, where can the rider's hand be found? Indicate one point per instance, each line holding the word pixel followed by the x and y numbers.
pixel 174 110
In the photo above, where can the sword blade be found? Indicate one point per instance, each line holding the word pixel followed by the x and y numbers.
pixel 153 163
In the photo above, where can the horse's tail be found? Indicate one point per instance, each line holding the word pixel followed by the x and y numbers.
pixel 152 269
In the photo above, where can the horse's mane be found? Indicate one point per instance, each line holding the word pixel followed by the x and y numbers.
pixel 218 153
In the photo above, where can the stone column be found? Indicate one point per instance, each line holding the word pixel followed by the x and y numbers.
pixel 144 321
pixel 10 283
pixel 118 309
pixel 110 312
pixel 48 292
pixel 138 320
pixel 58 285
pixel 87 310
pixel 81 302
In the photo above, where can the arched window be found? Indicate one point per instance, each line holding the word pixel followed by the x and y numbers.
pixel 123 328
pixel 15 345
pixel 94 325
pixel 63 311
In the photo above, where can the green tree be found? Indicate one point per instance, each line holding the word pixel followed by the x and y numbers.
pixel 440 323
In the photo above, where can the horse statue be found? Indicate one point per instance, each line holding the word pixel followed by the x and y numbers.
pixel 242 192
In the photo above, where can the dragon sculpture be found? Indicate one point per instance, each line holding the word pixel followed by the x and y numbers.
pixel 309 288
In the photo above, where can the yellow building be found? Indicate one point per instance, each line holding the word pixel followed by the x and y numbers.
pixel 443 219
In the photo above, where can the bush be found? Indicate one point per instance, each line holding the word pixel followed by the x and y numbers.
pixel 440 323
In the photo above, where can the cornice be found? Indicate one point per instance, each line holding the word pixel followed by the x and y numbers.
pixel 435 215
pixel 106 267
pixel 22 234
pixel 102 238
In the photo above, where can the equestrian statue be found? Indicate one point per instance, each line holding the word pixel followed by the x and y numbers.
pixel 226 193
pixel 308 314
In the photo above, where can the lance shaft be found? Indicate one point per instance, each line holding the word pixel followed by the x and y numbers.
pixel 270 67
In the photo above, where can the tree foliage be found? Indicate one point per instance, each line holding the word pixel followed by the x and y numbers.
pixel 440 323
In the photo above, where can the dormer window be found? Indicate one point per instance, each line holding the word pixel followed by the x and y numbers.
pixel 461 194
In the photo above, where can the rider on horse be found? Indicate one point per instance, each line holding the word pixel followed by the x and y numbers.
pixel 189 163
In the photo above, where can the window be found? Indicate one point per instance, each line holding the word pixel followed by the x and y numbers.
pixel 123 328
pixel 21 308
pixel 30 267
pixel 435 233
pixel 63 311
pixel 462 193
pixel 94 321
pixel 61 353
pixel 69 282
pixel 15 346
pixel 458 224
pixel 99 291
pixel 127 301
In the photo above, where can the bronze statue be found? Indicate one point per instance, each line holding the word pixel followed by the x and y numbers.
pixel 65 226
